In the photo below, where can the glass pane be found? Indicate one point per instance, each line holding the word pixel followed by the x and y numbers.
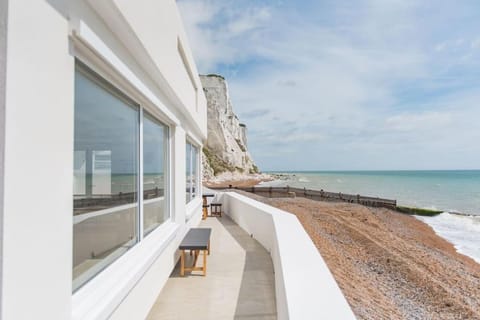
pixel 105 176
pixel 79 172
pixel 193 177
pixel 154 173
pixel 188 170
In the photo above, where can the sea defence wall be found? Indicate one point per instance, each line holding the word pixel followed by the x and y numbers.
pixel 304 286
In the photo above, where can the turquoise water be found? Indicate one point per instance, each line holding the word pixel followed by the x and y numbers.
pixel 457 191
pixel 449 191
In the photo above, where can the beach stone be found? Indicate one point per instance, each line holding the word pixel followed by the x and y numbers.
pixel 394 266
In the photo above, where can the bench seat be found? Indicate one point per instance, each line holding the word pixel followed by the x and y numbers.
pixel 196 240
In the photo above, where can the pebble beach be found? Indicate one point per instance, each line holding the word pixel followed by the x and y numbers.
pixel 388 265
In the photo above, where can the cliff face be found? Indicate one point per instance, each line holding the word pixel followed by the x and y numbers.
pixel 226 147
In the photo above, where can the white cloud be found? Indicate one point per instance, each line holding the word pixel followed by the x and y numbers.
pixel 214 43
pixel 247 21
pixel 377 81
pixel 419 121
pixel 475 44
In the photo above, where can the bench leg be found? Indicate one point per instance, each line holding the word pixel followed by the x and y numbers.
pixel 195 257
pixel 205 262
pixel 182 263
pixel 205 253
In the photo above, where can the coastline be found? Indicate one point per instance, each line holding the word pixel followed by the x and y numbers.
pixel 388 264
pixel 462 230
pixel 447 200
pixel 236 179
pixel 452 191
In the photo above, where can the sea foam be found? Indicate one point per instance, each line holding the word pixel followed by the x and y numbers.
pixel 462 231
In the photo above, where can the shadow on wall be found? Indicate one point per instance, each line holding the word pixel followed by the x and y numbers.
pixel 60 6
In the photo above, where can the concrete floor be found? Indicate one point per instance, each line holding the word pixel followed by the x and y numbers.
pixel 239 284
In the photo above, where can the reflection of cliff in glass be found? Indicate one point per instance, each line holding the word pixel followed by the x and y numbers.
pixel 105 175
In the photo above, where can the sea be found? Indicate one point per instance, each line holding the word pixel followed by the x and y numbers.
pixel 454 192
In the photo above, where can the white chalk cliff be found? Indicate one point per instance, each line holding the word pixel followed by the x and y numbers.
pixel 226 147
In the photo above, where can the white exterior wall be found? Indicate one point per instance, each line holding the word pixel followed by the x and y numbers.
pixel 304 286
pixel 37 208
pixel 133 44
pixel 3 62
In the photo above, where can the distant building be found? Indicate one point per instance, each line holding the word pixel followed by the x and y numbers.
pixel 102 119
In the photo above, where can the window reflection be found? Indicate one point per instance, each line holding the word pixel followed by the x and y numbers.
pixel 193 175
pixel 188 153
pixel 191 170
pixel 154 167
pixel 105 175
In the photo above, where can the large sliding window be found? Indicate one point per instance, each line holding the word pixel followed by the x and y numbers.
pixel 155 158
pixel 107 174
pixel 191 171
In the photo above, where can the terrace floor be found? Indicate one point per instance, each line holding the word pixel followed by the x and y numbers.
pixel 239 284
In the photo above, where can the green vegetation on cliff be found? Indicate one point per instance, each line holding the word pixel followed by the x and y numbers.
pixel 254 170
pixel 216 163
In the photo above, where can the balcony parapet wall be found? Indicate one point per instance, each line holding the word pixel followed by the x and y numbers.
pixel 304 286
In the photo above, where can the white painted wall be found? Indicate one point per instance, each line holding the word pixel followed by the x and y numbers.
pixel 115 39
pixel 3 62
pixel 165 23
pixel 305 287
pixel 179 174
pixel 37 247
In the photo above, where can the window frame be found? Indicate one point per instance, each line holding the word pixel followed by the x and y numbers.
pixel 91 75
pixel 167 168
pixel 193 145
pixel 118 89
pixel 117 280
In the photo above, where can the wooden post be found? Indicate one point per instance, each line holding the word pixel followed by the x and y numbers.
pixel 205 209
pixel 182 263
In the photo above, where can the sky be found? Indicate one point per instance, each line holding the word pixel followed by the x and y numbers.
pixel 347 85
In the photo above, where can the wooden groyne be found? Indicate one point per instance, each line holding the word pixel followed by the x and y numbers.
pixel 282 192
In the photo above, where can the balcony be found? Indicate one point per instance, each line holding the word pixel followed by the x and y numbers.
pixel 239 283
pixel 262 265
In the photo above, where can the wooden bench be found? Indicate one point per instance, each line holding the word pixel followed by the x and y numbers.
pixel 196 240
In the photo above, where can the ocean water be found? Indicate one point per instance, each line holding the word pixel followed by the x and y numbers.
pixel 455 191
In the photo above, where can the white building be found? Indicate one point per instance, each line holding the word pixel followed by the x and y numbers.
pixel 102 119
